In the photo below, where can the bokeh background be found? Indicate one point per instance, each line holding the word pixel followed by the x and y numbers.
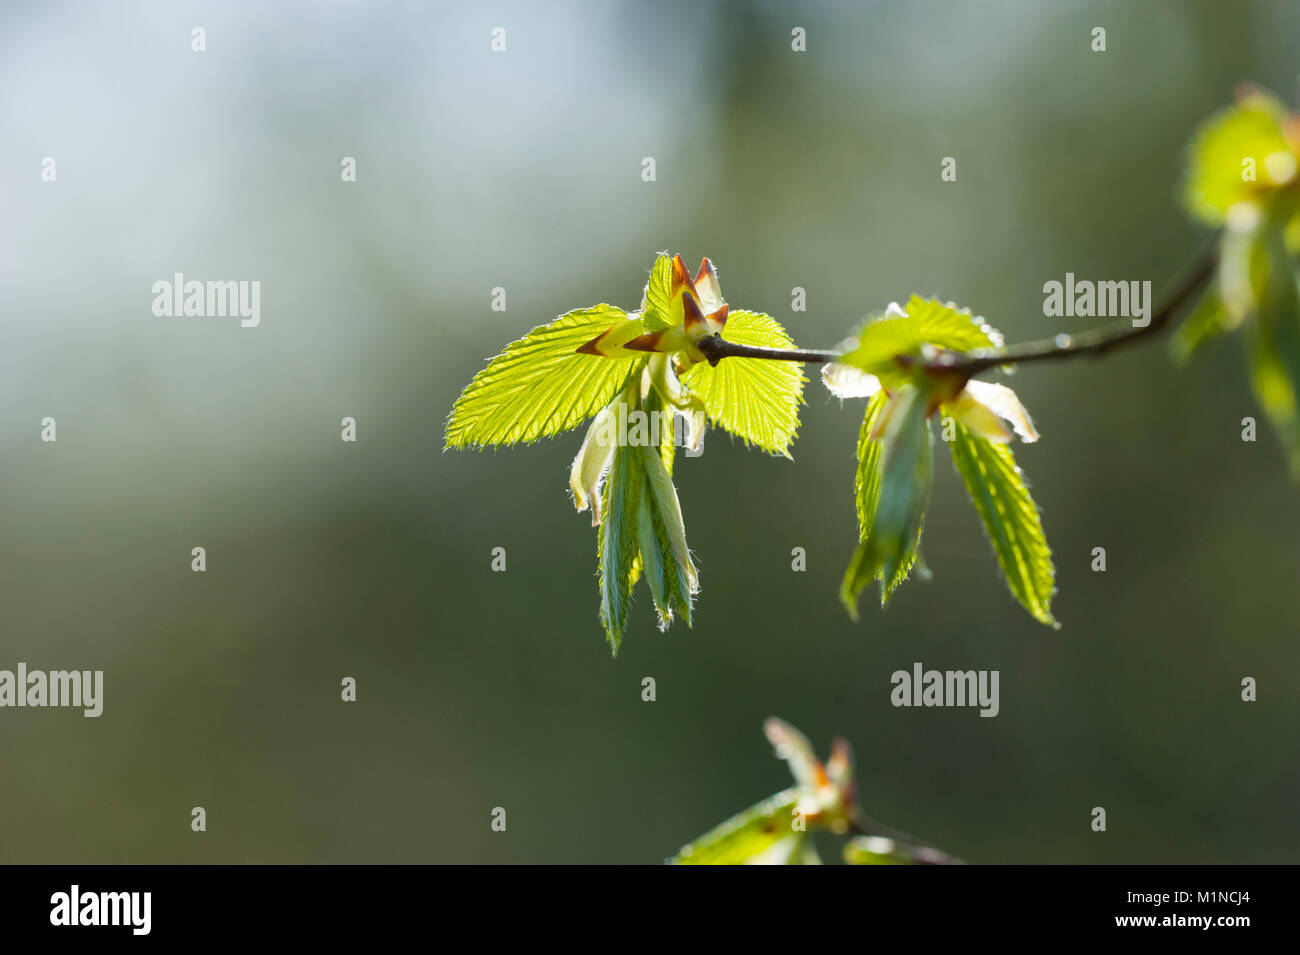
pixel 522 170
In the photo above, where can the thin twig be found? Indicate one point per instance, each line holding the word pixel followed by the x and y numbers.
pixel 1061 347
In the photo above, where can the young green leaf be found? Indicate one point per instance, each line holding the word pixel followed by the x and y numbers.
pixel 669 514
pixel 1242 154
pixel 903 331
pixel 593 461
pixel 762 834
pixel 617 549
pixel 657 299
pixel 1010 518
pixel 1206 322
pixel 1274 342
pixel 540 385
pixel 866 491
pixel 906 477
pixel 755 400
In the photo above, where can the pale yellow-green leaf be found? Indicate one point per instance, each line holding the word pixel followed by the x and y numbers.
pixel 866 491
pixel 1239 155
pixel 921 322
pixel 1010 518
pixel 1274 341
pixel 656 300
pixel 540 385
pixel 755 399
pixel 763 833
pixel 1207 321
pixel 618 540
pixel 906 478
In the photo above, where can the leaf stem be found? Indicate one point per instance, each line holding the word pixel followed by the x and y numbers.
pixel 1058 348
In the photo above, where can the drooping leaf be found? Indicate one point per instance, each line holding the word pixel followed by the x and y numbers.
pixel 1274 342
pixel 540 385
pixel 672 585
pixel 618 549
pixel 1239 155
pixel 754 399
pixel 669 513
pixel 1010 518
pixel 896 466
pixel 866 491
pixel 907 476
pixel 762 834
pixel 1207 321
pixel 592 462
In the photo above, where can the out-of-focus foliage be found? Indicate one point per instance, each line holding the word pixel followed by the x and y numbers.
pixel 779 830
pixel 1243 177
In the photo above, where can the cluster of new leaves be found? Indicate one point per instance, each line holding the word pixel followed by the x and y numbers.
pixel 643 379
pixel 1243 176
pixel 779 830
pixel 888 363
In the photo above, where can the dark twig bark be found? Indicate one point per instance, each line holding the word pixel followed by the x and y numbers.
pixel 1092 343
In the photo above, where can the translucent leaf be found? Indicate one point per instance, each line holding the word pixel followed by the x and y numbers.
pixel 656 300
pixel 1010 518
pixel 592 462
pixel 762 834
pixel 540 385
pixel 1243 139
pixel 906 478
pixel 755 399
pixel 866 491
pixel 979 399
pixel 868 562
pixel 617 547
pixel 1274 343
pixel 665 556
pixel 669 512
pixel 1207 321
pixel 904 332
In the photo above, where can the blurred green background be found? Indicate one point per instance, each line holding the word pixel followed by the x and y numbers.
pixel 522 170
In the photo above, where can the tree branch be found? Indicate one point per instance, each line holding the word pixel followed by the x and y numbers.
pixel 1092 343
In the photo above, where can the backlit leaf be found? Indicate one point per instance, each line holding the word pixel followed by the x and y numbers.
pixel 754 399
pixel 1245 138
pixel 540 385
pixel 617 548
pixel 762 834
pixel 1010 518
pixel 905 331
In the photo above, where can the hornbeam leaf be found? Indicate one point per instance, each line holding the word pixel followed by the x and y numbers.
pixel 906 477
pixel 762 834
pixel 755 399
pixel 593 460
pixel 1010 518
pixel 1274 344
pixel 1251 131
pixel 670 584
pixel 617 547
pixel 657 299
pixel 866 491
pixel 903 331
pixel 660 487
pixel 540 386
pixel 1207 321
